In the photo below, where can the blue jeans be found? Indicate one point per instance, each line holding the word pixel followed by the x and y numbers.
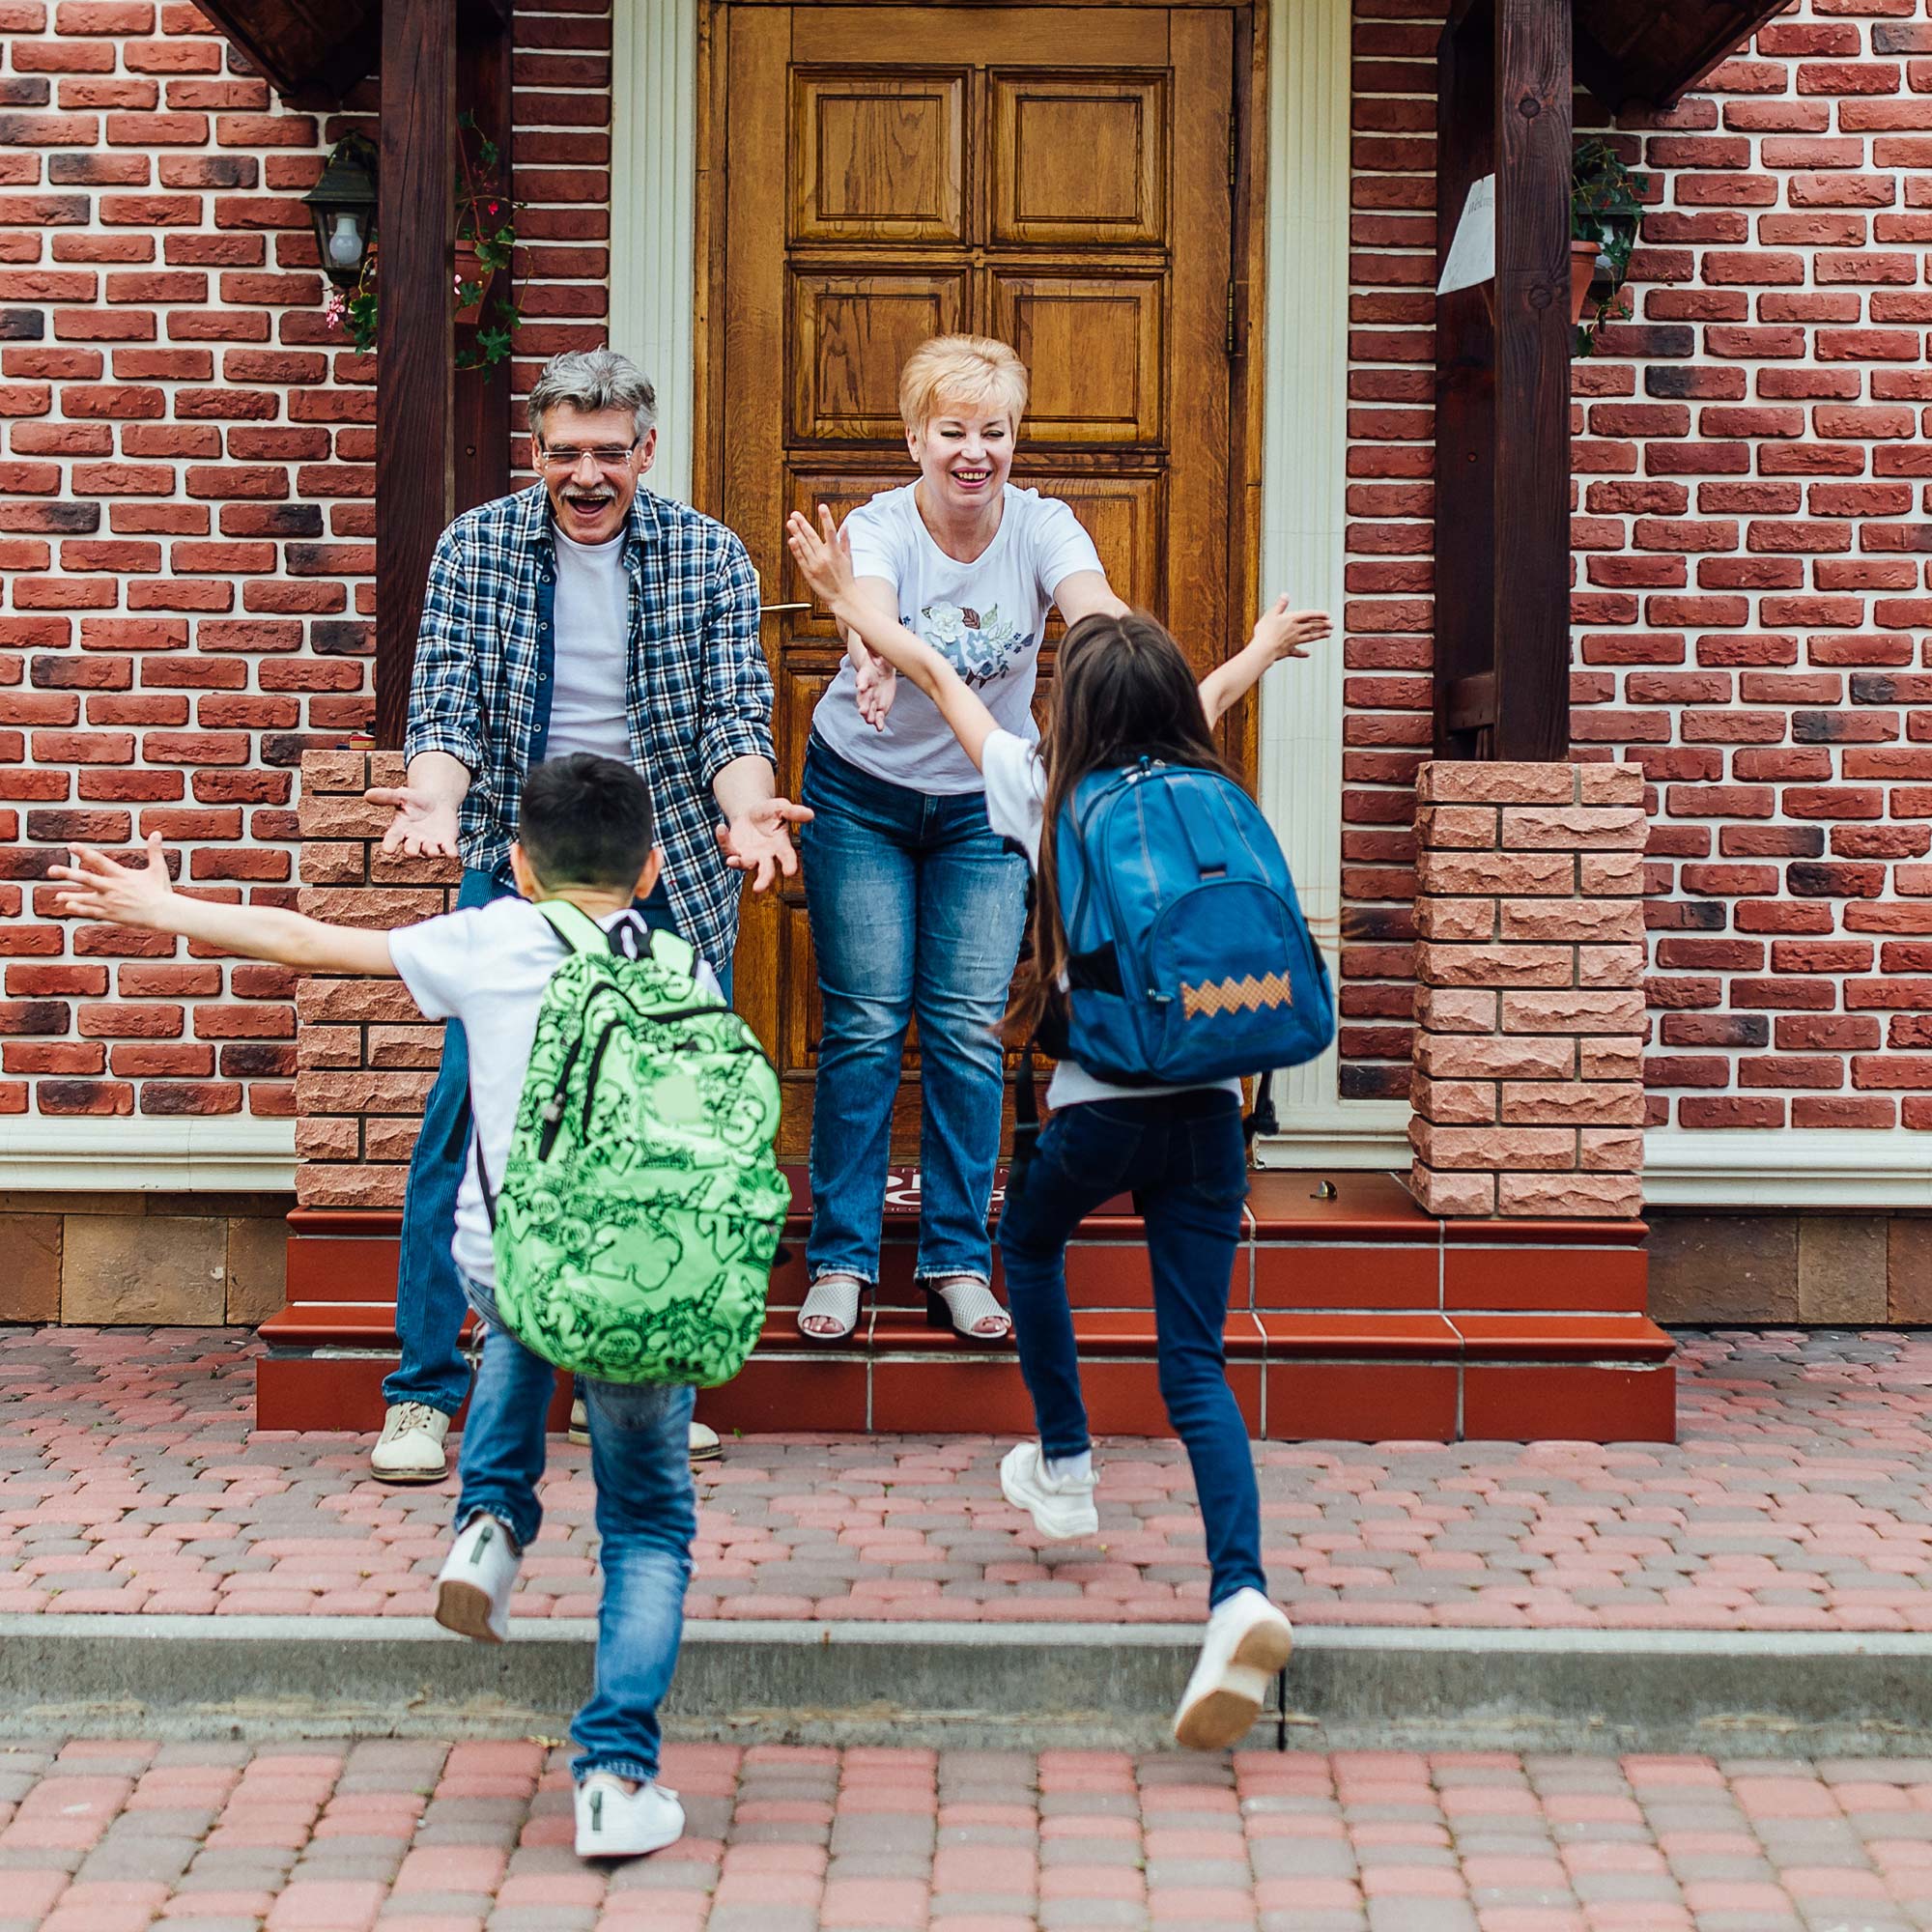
pixel 647 1519
pixel 429 1291
pixel 916 910
pixel 1182 1157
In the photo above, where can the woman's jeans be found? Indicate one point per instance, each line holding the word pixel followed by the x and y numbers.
pixel 1182 1157
pixel 916 910
pixel 429 1291
pixel 647 1519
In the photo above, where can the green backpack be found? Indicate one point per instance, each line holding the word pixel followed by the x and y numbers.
pixel 642 1203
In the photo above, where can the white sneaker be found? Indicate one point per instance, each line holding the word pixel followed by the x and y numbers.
pixel 615 1821
pixel 1060 1507
pixel 1248 1641
pixel 703 1437
pixel 472 1588
pixel 409 1448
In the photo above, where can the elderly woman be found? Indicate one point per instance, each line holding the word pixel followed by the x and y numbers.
pixel 917 908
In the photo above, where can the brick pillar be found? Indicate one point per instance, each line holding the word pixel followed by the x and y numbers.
pixel 366 1056
pixel 1528 1077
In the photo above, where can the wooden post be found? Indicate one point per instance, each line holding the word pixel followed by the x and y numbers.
pixel 414 387
pixel 1533 344
pixel 1502 390
pixel 482 437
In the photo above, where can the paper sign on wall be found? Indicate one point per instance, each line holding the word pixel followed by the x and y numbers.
pixel 1472 252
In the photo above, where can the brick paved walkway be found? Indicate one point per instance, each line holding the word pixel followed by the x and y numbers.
pixel 114 1837
pixel 1800 1499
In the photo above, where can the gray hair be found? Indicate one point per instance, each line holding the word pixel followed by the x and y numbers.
pixel 592 380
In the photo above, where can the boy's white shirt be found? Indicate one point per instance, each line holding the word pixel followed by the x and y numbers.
pixel 1017 809
pixel 488 966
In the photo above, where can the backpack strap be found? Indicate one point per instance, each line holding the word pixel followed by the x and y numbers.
pixel 578 931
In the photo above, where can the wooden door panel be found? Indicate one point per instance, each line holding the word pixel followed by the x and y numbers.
pixel 1057 177
pixel 1091 344
pixel 850 331
pixel 878 157
pixel 1000 36
pixel 1079 161
pixel 1126 516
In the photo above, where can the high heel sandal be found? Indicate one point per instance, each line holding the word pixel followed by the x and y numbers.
pixel 833 1297
pixel 962 1304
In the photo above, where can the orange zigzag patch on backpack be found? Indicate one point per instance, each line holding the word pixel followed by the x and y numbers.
pixel 1235 996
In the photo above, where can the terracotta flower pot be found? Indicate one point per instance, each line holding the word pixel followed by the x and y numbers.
pixel 1582 267
pixel 469 268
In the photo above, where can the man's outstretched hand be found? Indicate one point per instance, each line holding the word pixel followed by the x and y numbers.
pixel 423 827
pixel 759 842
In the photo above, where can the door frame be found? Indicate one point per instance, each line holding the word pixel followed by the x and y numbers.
pixel 1289 521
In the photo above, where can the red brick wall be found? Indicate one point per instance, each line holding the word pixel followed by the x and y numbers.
pixel 186 516
pixel 1751 603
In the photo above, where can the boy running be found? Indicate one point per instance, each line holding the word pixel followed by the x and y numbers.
pixel 586 837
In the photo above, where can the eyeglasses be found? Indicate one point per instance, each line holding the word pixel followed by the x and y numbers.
pixel 608 456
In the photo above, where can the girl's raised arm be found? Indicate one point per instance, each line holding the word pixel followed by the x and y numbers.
pixel 824 558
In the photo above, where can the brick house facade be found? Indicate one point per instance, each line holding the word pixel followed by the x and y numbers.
pixel 186 527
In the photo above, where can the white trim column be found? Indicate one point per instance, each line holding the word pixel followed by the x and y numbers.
pixel 653 169
pixel 1304 481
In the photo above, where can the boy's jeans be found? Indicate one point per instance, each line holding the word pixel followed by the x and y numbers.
pixel 429 1291
pixel 916 910
pixel 1182 1157
pixel 647 1519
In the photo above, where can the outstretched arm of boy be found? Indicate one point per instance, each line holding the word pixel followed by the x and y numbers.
pixel 824 557
pixel 144 896
pixel 1279 633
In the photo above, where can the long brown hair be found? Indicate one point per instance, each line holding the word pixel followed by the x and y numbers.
pixel 1122 691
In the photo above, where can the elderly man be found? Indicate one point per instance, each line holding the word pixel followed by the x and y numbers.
pixel 581 614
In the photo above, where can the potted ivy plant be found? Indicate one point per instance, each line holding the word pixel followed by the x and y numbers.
pixel 486 237
pixel 1605 211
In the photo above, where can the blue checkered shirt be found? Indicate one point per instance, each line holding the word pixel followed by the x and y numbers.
pixel 700 692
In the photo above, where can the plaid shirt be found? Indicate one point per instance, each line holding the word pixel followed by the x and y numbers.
pixel 699 691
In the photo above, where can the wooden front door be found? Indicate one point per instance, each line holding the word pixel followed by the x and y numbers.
pixel 1062 178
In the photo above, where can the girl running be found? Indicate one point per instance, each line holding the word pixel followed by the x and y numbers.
pixel 1122 691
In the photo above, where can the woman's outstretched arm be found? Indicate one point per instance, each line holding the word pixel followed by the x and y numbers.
pixel 824 557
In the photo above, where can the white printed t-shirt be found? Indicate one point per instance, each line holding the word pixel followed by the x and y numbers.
pixel 488 966
pixel 986 618
pixel 592 658
pixel 1017 809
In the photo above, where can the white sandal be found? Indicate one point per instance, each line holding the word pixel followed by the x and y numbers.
pixel 965 1304
pixel 833 1297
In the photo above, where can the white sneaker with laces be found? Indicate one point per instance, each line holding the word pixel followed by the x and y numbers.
pixel 618 1820
pixel 472 1588
pixel 1060 1506
pixel 703 1437
pixel 1248 1641
pixel 411 1446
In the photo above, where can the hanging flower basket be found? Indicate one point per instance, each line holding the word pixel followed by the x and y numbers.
pixel 1583 271
pixel 473 278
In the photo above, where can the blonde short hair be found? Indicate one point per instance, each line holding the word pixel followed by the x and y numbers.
pixel 961 369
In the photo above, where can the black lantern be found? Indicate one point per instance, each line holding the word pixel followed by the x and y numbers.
pixel 343 206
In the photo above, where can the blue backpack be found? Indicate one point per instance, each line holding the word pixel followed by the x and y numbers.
pixel 1189 959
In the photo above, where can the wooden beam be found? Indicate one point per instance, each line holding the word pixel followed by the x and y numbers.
pixel 415 347
pixel 1533 84
pixel 1466 387
pixel 482 429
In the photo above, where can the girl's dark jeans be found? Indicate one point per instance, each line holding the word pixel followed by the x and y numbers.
pixel 1182 1157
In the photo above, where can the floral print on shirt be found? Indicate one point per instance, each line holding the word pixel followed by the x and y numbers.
pixel 979 648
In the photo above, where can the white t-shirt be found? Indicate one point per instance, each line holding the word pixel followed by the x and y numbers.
pixel 488 966
pixel 986 618
pixel 1017 809
pixel 588 711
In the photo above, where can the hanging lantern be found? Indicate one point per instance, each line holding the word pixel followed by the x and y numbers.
pixel 343 206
